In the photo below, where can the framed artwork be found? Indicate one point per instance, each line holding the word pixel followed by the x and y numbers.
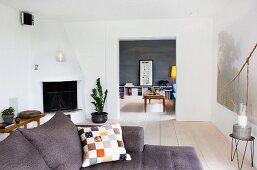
pixel 146 72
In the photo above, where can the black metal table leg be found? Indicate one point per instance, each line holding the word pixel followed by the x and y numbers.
pixel 231 153
pixel 234 151
pixel 252 151
pixel 237 154
pixel 244 155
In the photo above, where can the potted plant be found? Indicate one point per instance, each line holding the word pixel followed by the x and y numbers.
pixel 8 115
pixel 99 100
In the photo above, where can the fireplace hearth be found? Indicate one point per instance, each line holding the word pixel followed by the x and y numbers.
pixel 60 96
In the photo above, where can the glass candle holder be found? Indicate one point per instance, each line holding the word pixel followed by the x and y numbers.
pixel 242 117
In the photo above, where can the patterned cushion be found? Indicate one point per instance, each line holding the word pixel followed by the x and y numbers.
pixel 102 144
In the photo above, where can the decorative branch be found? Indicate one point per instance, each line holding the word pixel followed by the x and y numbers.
pixel 247 61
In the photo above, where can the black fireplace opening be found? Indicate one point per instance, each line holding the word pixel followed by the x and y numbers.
pixel 60 96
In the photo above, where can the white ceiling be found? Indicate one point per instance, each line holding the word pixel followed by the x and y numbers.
pixel 74 10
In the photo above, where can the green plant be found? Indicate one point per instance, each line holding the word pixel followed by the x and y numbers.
pixel 99 97
pixel 9 111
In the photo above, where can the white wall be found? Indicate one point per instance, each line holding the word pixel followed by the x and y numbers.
pixel 96 46
pixel 239 21
pixel 14 61
pixel 21 47
pixel 90 51
pixel 48 37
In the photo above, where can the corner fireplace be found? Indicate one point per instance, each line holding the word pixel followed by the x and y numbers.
pixel 60 96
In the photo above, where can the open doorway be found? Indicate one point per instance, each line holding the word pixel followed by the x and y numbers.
pixel 147 76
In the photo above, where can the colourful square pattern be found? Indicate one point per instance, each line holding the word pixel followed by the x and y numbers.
pixel 102 144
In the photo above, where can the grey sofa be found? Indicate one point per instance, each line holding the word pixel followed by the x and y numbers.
pixel 56 145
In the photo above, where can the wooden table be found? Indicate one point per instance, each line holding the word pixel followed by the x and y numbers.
pixel 162 97
pixel 23 122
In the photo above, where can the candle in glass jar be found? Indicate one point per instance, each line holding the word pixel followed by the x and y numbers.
pixel 242 120
pixel 242 109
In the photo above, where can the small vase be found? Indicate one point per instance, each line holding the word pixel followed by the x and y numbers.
pixel 8 118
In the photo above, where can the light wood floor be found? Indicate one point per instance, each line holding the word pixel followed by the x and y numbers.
pixel 212 147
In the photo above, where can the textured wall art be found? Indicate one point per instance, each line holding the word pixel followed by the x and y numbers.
pixel 228 54
pixel 236 76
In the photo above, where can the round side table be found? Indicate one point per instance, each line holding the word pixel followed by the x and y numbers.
pixel 234 152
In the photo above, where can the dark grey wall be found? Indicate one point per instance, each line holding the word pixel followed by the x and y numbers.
pixel 162 52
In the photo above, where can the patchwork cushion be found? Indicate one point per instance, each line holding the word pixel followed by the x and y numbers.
pixel 58 142
pixel 135 164
pixel 102 144
pixel 16 153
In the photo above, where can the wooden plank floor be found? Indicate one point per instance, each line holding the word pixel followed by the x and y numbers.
pixel 212 147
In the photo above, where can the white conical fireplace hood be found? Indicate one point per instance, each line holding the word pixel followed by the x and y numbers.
pixel 53 60
pixel 52 53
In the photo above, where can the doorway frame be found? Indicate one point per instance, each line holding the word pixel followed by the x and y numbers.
pixel 138 39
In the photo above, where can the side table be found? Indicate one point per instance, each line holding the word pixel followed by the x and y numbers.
pixel 162 97
pixel 23 122
pixel 235 151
